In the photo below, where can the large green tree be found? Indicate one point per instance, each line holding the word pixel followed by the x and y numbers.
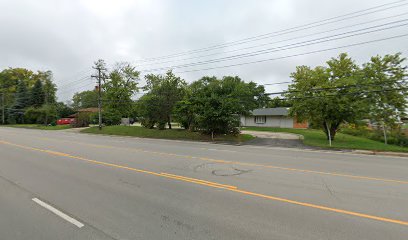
pixel 386 90
pixel 344 92
pixel 37 97
pixel 168 89
pixel 118 91
pixel 9 80
pixel 148 109
pixel 22 100
pixel 85 99
pixel 216 104
pixel 321 95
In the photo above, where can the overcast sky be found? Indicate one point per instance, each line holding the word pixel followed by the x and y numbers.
pixel 67 36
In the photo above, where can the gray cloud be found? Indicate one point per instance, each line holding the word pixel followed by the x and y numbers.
pixel 66 36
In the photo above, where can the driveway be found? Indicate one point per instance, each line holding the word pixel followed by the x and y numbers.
pixel 275 139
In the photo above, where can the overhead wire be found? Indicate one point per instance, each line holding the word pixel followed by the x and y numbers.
pixel 295 55
pixel 290 46
pixel 280 41
pixel 288 30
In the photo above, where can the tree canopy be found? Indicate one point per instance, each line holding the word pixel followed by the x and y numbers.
pixel 23 89
pixel 164 91
pixel 118 90
pixel 342 91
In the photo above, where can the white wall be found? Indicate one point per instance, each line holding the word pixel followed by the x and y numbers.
pixel 271 121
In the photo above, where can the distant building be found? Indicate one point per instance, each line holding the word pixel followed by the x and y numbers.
pixel 271 117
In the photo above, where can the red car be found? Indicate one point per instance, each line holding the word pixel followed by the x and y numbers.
pixel 65 121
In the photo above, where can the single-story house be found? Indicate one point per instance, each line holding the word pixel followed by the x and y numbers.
pixel 271 117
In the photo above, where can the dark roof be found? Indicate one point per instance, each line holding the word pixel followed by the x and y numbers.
pixel 281 111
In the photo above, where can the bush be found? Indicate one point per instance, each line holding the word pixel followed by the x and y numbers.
pixel 395 137
pixel 111 117
pixel 147 123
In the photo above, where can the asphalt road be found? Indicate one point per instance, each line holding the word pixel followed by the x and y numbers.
pixel 65 185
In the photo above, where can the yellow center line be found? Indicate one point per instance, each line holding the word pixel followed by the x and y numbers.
pixel 238 163
pixel 197 180
pixel 216 185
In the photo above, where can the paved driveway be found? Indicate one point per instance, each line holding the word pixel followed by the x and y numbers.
pixel 275 139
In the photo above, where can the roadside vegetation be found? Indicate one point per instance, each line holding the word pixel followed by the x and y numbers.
pixel 38 126
pixel 179 134
pixel 370 95
pixel 317 138
pixel 345 92
pixel 29 97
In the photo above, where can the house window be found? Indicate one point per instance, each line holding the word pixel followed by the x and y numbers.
pixel 260 119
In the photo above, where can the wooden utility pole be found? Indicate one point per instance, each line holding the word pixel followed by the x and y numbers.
pixel 99 67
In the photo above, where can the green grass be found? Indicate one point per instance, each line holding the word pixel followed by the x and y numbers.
pixel 179 134
pixel 317 138
pixel 38 126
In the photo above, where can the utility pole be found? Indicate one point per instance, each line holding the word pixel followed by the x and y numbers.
pixel 99 66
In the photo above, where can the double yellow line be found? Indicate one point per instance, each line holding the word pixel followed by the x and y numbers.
pixel 230 162
pixel 214 185
pixel 238 163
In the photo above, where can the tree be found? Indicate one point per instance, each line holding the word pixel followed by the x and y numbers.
pixel 63 110
pixel 168 90
pixel 387 96
pixel 278 102
pixel 37 97
pixel 323 95
pixel 21 102
pixel 9 81
pixel 149 112
pixel 85 99
pixel 49 88
pixel 118 91
pixel 217 103
pixel 185 112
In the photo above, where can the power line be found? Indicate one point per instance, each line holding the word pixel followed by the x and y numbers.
pixel 280 41
pixel 76 87
pixel 290 46
pixel 285 31
pixel 85 77
pixel 336 95
pixel 296 55
pixel 342 87
pixel 278 83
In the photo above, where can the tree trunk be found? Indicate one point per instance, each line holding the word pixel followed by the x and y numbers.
pixel 332 128
pixel 169 121
pixel 385 134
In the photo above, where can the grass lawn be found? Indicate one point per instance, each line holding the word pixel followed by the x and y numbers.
pixel 38 126
pixel 179 134
pixel 317 138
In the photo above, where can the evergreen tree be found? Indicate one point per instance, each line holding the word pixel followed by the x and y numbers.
pixel 16 112
pixel 37 97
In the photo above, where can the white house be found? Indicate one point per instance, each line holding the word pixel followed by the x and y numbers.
pixel 271 117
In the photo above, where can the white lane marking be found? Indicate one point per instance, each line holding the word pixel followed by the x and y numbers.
pixel 58 213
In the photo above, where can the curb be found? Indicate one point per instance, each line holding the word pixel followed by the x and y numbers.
pixel 394 154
